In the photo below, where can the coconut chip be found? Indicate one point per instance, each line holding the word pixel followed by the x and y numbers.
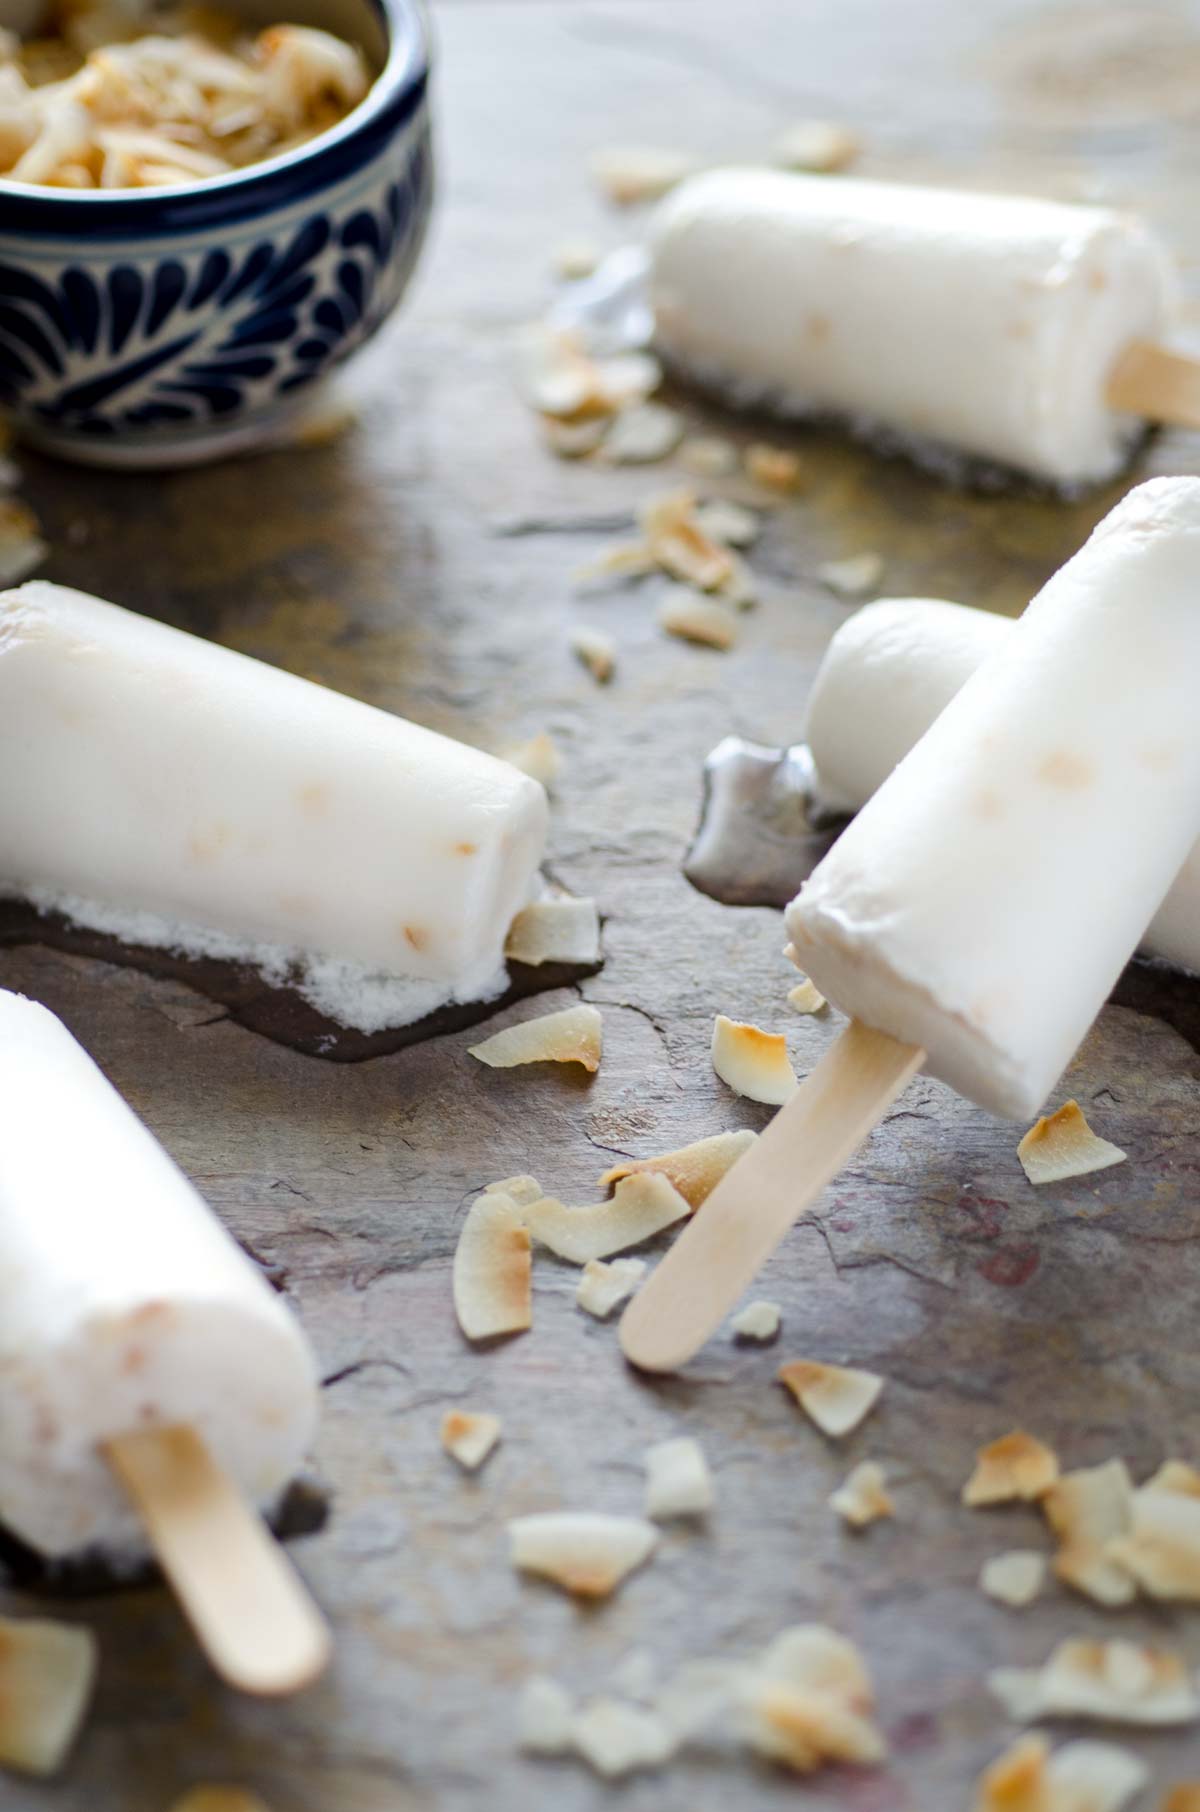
pixel 220 1799
pixel 1089 1511
pixel 806 997
pixel 816 145
pixel 1079 1777
pixel 544 1714
pixel 729 523
pixel 640 1207
pixel 1014 1578
pixel 836 1399
pixel 574 259
pixel 809 1701
pixel 603 1286
pixel 1174 1475
pixel 22 549
pixel 751 1062
pixel 524 1190
pixel 678 1482
pixel 1015 1467
pixel 493 1270
pixel 1162 1546
pixel 696 619
pixel 538 758
pixel 641 436
pixel 708 456
pixel 561 929
pixel 863 1498
pixel 597 651
pixel 1118 1681
pixel 585 1552
pixel 695 1170
pixel 676 541
pixel 1063 1145
pixel 575 1035
pixel 574 439
pixel 775 468
pixel 616 1739
pixel 852 578
pixel 469 1437
pixel 47 1674
pixel 627 174
pixel 757 1321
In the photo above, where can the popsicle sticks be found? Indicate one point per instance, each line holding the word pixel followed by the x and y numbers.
pixel 1160 385
pixel 731 1236
pixel 248 1606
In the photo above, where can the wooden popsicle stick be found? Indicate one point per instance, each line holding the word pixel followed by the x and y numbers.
pixel 734 1232
pixel 245 1601
pixel 1154 382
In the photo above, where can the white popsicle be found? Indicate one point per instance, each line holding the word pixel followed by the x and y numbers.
pixel 887 674
pixel 124 1306
pixel 983 903
pixel 179 793
pixel 988 325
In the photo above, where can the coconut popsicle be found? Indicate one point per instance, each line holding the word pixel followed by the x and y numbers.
pixel 179 793
pixel 886 675
pixel 950 322
pixel 983 903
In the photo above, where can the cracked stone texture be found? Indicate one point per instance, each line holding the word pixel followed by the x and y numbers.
pixel 426 563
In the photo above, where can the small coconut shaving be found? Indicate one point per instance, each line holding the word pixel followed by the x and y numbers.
pixel 616 1739
pixel 575 258
pixel 1063 1145
pixel 806 997
pixel 1089 1510
pixel 708 456
pixel 538 758
pixel 835 1398
pixel 1014 1578
pixel 852 578
pixel 678 1482
pixel 604 1286
pixel 1116 1681
pixel 676 541
pixel 524 1190
pixel 640 1207
pixel 1161 1547
pixel 819 146
pixel 1079 1777
pixel 220 1799
pixel 751 1062
pixel 809 1701
pixel 642 436
pixel 775 468
pixel 695 1170
pixel 469 1437
pixel 576 1035
pixel 584 1552
pixel 732 524
pixel 22 548
pixel 573 440
pixel 757 1321
pixel 695 619
pixel 493 1270
pixel 1016 1467
pixel 629 174
pixel 559 929
pixel 863 1498
pixel 597 652
pixel 47 1675
pixel 545 1711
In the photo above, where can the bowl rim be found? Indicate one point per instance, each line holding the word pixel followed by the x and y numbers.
pixel 402 79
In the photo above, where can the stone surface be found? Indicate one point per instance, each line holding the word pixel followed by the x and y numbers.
pixel 425 562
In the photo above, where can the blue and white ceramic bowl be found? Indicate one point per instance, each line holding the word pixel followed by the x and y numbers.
pixel 168 326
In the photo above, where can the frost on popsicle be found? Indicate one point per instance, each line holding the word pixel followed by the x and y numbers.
pixel 602 1287
pixel 1079 1777
pixel 809 1701
pixel 469 1437
pixel 1063 1145
pixel 586 1553
pixel 678 1482
pixel 640 1207
pixel 1017 1466
pixel 560 929
pixel 1117 1681
pixel 1014 1578
pixel 751 1062
pixel 1089 1510
pixel 835 1398
pixel 695 1169
pixel 47 1673
pixel 863 1498
pixel 493 1270
pixel 575 1035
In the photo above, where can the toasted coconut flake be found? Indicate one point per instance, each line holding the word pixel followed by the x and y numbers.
pixel 708 456
pixel 544 1714
pixel 852 578
pixel 556 930
pixel 816 145
pixel 679 545
pixel 47 1673
pixel 792 955
pixel 1063 1145
pixel 863 1498
pixel 597 651
pixel 538 758
pixel 616 1739
pixel 574 439
pixel 628 174
pixel 603 1286
pixel 575 258
pixel 22 549
pixel 678 1482
pixel 576 1035
pixel 835 1398
pixel 493 1270
pixel 732 524
pixel 626 379
pixel 1118 1681
pixel 809 1701
pixel 694 619
pixel 1014 1578
pixel 524 1190
pixel 757 1321
pixel 775 468
pixel 1162 1547
pixel 806 997
pixel 642 435
pixel 557 377
pixel 584 1552
pixel 469 1437
pixel 1175 1475
pixel 1017 1466
pixel 740 588
pixel 220 1799
pixel 695 1170
pixel 1079 1777
pixel 1183 1798
pixel 751 1062
pixel 1089 1511
pixel 641 1206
